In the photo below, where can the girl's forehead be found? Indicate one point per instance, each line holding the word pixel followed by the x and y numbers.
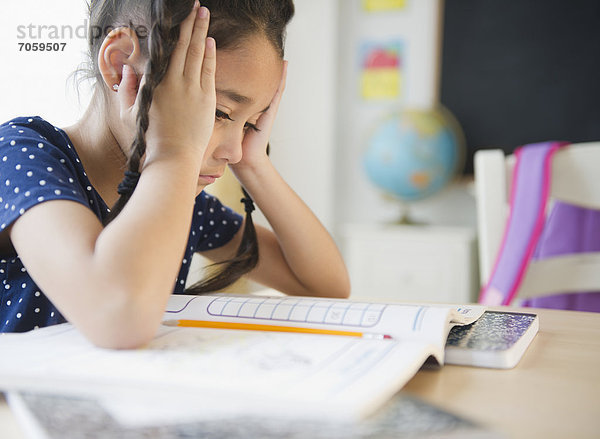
pixel 252 70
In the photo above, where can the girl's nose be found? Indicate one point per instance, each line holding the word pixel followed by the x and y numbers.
pixel 229 147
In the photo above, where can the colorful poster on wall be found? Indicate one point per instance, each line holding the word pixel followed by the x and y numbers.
pixel 381 70
pixel 383 5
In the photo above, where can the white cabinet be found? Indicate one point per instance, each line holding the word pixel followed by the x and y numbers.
pixel 411 263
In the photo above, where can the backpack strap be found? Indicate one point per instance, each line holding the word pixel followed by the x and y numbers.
pixel 528 198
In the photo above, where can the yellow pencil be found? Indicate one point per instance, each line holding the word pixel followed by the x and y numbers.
pixel 272 328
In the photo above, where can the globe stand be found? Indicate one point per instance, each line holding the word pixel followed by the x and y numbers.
pixel 405 219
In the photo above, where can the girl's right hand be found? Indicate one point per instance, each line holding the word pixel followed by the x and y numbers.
pixel 182 114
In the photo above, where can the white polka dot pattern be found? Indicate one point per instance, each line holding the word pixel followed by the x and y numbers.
pixel 39 164
pixel 213 225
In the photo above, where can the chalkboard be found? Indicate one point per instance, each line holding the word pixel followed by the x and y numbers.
pixel 522 71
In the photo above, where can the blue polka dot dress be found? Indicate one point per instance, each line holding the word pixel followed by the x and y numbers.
pixel 37 164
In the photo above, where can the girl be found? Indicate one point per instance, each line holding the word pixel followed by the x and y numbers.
pixel 175 102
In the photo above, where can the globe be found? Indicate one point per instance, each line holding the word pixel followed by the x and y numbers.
pixel 413 154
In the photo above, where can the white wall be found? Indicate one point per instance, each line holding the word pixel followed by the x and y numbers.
pixel 35 83
pixel 303 140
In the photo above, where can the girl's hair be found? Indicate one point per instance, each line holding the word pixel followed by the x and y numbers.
pixel 157 24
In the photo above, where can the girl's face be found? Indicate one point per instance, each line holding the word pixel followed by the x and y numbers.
pixel 246 81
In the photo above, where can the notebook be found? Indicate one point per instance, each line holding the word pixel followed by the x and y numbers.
pixel 496 340
pixel 223 373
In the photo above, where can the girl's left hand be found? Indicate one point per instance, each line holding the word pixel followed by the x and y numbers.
pixel 254 145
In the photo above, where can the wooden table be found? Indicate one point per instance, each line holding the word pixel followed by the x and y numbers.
pixel 554 392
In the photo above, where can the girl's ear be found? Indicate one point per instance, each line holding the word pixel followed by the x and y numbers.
pixel 120 47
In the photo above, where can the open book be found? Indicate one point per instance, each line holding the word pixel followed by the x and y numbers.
pixel 222 372
pixel 485 339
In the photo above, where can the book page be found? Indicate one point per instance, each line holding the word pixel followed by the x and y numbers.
pixel 299 375
pixel 399 321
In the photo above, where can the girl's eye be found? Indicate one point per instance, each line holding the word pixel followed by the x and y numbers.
pixel 251 126
pixel 220 115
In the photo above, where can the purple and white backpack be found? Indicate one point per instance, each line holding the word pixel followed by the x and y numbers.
pixel 531 235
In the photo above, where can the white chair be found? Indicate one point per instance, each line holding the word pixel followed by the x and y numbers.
pixel 575 180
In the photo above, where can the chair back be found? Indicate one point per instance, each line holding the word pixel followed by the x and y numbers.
pixel 575 180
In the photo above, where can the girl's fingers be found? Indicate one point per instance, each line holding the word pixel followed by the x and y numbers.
pixel 138 97
pixel 197 47
pixel 280 89
pixel 209 66
pixel 267 119
pixel 128 87
pixel 177 62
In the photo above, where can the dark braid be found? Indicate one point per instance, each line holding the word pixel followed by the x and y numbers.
pixel 245 259
pixel 232 23
pixel 166 19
